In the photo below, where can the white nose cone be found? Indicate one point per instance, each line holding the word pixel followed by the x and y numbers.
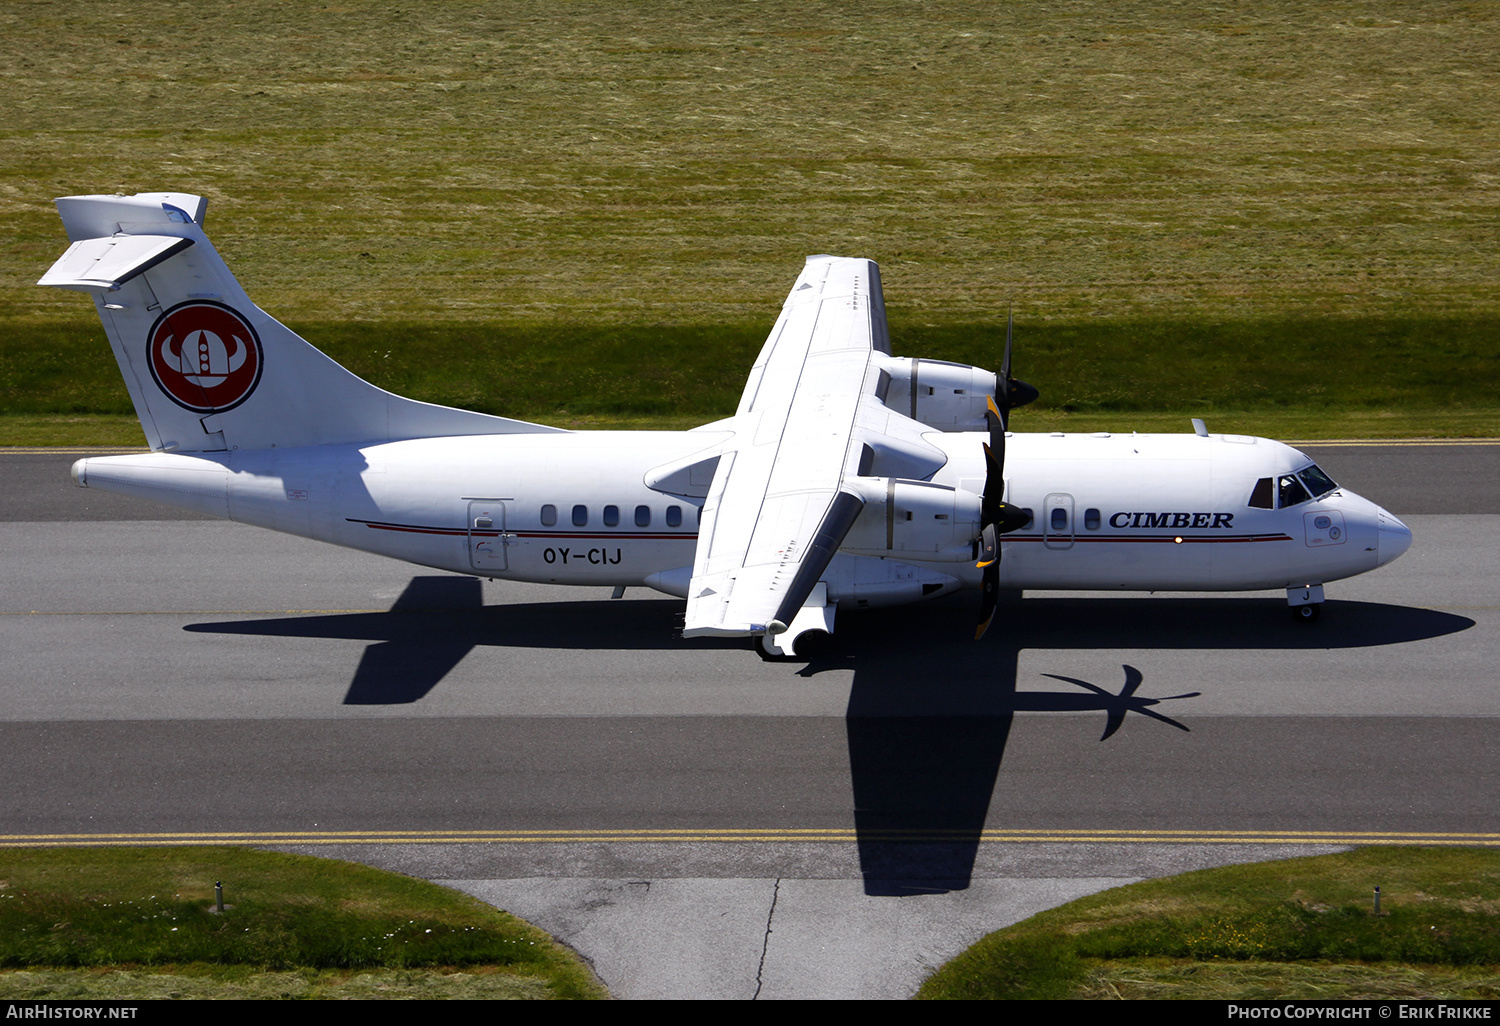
pixel 1395 538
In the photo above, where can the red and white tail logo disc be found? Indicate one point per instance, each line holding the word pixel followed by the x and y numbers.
pixel 204 356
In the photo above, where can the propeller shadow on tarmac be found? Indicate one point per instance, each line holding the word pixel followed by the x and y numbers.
pixel 929 709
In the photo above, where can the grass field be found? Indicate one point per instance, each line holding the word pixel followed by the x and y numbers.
pixel 1300 929
pixel 121 922
pixel 566 211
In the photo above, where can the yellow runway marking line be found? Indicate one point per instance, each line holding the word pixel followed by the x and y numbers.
pixel 745 835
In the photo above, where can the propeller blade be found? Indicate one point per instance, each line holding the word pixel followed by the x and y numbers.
pixel 989 546
pixel 994 485
pixel 1002 380
pixel 989 597
pixel 1010 392
pixel 995 423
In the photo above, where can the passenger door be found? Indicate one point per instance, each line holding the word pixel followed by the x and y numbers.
pixel 488 539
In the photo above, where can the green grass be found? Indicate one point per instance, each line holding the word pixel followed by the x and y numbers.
pixel 1350 377
pixel 94 912
pixel 577 161
pixel 219 982
pixel 590 214
pixel 1300 928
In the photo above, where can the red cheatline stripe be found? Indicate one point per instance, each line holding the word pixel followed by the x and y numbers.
pixel 627 535
pixel 624 534
pixel 1148 538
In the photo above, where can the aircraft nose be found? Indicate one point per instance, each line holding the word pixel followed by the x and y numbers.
pixel 1394 538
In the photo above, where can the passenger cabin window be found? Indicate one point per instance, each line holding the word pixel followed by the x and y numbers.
pixel 1091 519
pixel 674 516
pixel 1059 519
pixel 643 516
pixel 580 516
pixel 1260 498
pixel 1030 516
pixel 1290 491
pixel 611 516
pixel 549 515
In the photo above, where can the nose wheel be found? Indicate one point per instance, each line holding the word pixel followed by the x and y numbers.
pixel 1306 602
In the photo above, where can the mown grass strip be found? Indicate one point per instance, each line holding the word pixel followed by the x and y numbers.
pixel 93 909
pixel 588 216
pixel 1350 377
pixel 1295 928
pixel 247 983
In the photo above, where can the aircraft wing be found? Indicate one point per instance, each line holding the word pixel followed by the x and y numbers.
pixel 782 499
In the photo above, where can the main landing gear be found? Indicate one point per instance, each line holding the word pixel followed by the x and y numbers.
pixel 1306 602
pixel 806 636
pixel 809 645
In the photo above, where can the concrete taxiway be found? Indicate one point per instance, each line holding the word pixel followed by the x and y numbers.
pixel 700 823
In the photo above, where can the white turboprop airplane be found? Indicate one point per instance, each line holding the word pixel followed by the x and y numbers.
pixel 848 478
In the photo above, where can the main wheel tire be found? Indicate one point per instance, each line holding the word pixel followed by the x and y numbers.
pixel 812 644
pixel 809 645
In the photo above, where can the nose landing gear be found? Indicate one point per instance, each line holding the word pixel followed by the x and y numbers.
pixel 1306 602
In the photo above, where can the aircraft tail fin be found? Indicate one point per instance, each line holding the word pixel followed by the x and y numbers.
pixel 206 368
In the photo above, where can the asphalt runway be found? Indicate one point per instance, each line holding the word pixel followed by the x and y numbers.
pixel 777 830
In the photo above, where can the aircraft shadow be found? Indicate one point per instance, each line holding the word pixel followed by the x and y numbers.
pixel 929 710
pixel 438 611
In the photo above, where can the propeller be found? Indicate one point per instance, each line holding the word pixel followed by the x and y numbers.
pixel 1012 393
pixel 997 516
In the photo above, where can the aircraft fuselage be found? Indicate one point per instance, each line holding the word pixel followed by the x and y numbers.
pixel 1110 511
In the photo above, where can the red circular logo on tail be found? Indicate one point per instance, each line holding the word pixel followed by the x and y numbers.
pixel 204 356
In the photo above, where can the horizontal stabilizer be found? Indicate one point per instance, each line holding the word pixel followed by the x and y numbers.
pixel 106 264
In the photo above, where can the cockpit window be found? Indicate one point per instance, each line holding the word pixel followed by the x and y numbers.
pixel 1318 483
pixel 1260 498
pixel 1290 491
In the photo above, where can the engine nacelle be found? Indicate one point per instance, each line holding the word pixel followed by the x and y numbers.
pixel 942 395
pixel 862 582
pixel 914 520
